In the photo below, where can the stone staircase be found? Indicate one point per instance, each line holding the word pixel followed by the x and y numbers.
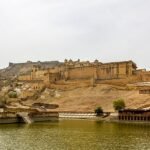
pixel 25 117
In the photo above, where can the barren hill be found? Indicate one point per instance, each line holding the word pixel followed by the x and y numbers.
pixel 21 68
pixel 86 99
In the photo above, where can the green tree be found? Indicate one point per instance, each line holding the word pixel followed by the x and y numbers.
pixel 99 111
pixel 12 94
pixel 119 104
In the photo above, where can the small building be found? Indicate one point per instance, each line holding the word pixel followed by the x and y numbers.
pixel 144 88
pixel 134 115
pixel 144 91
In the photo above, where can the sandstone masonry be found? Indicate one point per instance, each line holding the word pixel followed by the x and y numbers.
pixel 77 70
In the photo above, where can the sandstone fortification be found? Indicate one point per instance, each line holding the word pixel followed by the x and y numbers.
pixel 79 72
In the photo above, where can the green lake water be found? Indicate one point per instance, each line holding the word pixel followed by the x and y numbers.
pixel 75 135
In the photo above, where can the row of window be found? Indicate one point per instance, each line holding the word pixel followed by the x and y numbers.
pixel 135 118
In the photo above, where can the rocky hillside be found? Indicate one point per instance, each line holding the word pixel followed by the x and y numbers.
pixel 21 68
pixel 88 98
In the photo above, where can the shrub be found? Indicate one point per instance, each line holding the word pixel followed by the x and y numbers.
pixel 2 102
pixel 12 94
pixel 119 104
pixel 99 111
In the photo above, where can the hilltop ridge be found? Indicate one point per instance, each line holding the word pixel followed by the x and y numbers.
pixel 15 69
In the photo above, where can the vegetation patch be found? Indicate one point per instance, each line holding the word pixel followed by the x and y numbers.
pixel 119 104
pixel 12 94
pixel 99 111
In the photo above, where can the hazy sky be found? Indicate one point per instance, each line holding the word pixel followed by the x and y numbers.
pixel 108 30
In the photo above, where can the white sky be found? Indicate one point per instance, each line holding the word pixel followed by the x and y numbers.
pixel 108 30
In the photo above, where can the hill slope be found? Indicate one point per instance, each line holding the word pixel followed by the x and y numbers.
pixel 21 68
pixel 88 98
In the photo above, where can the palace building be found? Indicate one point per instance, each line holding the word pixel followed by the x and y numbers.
pixel 79 70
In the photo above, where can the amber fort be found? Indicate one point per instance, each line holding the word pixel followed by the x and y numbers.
pixel 81 71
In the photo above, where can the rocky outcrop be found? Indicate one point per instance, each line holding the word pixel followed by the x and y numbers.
pixel 15 69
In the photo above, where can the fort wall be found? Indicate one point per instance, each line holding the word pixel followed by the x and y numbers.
pixel 81 73
pixel 97 71
pixel 27 77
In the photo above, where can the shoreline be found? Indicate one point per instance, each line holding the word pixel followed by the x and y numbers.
pixel 104 121
pixel 10 118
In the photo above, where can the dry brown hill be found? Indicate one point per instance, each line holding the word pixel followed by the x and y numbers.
pixel 86 99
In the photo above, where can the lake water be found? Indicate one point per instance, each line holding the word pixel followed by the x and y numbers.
pixel 75 135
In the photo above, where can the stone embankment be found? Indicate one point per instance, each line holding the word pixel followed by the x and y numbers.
pixel 77 115
pixel 27 116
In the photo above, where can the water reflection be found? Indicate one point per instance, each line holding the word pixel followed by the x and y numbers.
pixel 75 134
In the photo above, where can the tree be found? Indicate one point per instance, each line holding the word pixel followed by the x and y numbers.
pixel 99 111
pixel 12 94
pixel 119 104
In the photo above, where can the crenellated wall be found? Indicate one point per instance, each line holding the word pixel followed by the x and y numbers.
pixel 76 70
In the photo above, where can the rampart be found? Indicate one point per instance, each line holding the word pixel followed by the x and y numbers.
pixel 96 72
